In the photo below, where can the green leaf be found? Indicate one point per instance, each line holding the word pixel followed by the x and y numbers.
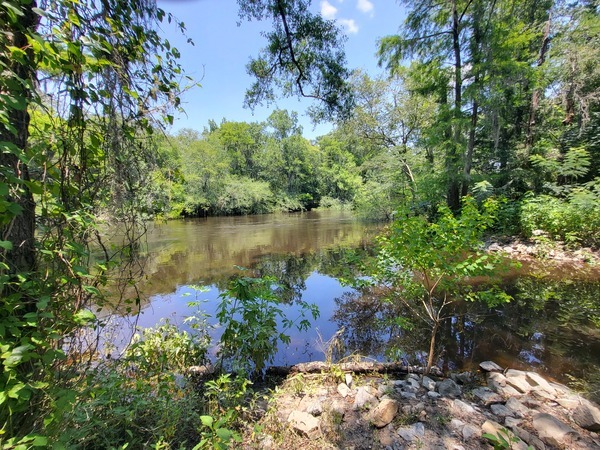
pixel 207 421
pixel 6 245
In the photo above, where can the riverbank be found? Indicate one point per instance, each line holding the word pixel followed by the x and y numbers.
pixel 337 409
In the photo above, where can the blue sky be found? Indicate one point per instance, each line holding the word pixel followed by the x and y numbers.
pixel 222 49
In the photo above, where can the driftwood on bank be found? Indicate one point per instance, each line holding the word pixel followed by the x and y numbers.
pixel 355 367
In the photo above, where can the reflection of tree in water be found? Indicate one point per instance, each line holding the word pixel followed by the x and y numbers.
pixel 290 271
pixel 552 326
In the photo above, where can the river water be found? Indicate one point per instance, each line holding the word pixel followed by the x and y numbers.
pixel 552 326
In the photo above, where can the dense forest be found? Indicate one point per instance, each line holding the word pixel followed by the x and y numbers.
pixel 483 107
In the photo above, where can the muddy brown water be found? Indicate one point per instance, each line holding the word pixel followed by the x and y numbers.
pixel 552 325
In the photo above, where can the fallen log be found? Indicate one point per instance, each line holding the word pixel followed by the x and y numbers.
pixel 354 367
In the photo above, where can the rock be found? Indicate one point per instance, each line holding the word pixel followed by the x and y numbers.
pixel 486 395
pixel 305 424
pixel 414 384
pixel 348 380
pixel 412 433
pixel 539 383
pixel 529 438
pixel 315 408
pixel 457 424
pixel 384 413
pixel 570 402
pixel 433 395
pixel 518 408
pixel 518 380
pixel 463 377
pixel 364 399
pixel 552 431
pixel 460 406
pixel 490 366
pixel 501 410
pixel 408 395
pixel 412 376
pixel 501 385
pixel 449 388
pixel 469 431
pixel 343 390
pixel 495 380
pixel 428 383
pixel 587 416
pixel 338 407
pixel 511 422
pixel 495 429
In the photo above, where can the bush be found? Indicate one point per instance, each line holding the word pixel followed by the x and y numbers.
pixel 574 220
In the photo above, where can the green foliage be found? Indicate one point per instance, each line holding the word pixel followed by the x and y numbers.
pixel 503 440
pixel 574 220
pixel 141 399
pixel 166 349
pixel 215 435
pixel 427 265
pixel 249 313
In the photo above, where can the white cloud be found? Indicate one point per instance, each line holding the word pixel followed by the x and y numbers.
pixel 350 25
pixel 328 10
pixel 365 6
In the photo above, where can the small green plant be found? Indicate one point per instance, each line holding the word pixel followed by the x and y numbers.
pixel 252 317
pixel 503 440
pixel 427 265
pixel 215 435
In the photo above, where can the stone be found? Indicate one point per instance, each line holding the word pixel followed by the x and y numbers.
pixel 433 395
pixel 384 413
pixel 315 408
pixel 518 380
pixel 570 402
pixel 486 395
pixel 449 388
pixel 552 431
pixel 408 395
pixel 495 380
pixel 460 406
pixel 508 391
pixel 500 410
pixel 490 366
pixel 414 384
pixel 412 376
pixel 364 399
pixel 463 377
pixel 518 408
pixel 470 431
pixel 343 390
pixel 338 407
pixel 348 380
pixel 428 383
pixel 305 424
pixel 495 429
pixel 529 438
pixel 412 433
pixel 539 383
pixel 587 416
pixel 457 424
pixel 511 422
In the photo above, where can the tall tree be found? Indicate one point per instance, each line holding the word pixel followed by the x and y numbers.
pixel 304 57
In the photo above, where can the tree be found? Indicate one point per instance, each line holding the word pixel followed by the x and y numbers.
pixel 427 265
pixel 462 47
pixel 82 86
pixel 303 57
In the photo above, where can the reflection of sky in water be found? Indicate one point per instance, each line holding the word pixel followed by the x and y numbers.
pixel 304 346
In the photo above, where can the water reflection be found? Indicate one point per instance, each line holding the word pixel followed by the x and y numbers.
pixel 553 324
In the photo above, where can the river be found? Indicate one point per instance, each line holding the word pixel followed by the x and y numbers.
pixel 552 326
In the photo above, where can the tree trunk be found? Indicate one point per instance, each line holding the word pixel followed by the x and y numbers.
pixel 430 356
pixel 16 81
pixel 537 93
pixel 453 158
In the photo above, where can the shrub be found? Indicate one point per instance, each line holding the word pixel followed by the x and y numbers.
pixel 574 220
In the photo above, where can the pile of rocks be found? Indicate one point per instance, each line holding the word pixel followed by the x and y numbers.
pixel 417 411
